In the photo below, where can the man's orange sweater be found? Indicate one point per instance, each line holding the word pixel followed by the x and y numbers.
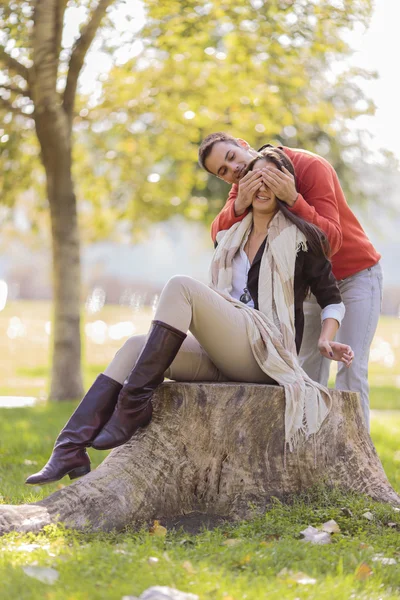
pixel 320 201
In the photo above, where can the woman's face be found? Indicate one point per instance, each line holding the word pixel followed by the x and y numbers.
pixel 265 200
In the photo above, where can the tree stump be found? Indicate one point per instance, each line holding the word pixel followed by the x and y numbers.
pixel 216 449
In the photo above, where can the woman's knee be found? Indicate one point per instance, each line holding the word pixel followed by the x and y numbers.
pixel 133 347
pixel 181 284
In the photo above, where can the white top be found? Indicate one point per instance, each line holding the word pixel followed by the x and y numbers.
pixel 240 271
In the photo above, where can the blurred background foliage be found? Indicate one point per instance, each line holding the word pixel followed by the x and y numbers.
pixel 271 71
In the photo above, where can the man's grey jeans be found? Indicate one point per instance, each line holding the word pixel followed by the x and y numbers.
pixel 362 297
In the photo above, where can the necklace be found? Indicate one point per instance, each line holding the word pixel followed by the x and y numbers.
pixel 246 297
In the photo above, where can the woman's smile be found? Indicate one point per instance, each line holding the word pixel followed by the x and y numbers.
pixel 262 198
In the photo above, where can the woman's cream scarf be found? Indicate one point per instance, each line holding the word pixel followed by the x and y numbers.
pixel 271 328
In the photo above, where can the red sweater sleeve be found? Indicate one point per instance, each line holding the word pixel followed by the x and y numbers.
pixel 321 189
pixel 226 218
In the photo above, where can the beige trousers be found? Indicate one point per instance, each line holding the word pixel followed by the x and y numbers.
pixel 217 347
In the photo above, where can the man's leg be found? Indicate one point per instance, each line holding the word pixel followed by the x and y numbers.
pixel 313 363
pixel 362 296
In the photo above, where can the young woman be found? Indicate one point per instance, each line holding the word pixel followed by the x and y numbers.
pixel 245 326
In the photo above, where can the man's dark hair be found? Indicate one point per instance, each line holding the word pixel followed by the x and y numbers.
pixel 208 143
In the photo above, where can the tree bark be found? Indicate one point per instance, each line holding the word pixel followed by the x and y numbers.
pixel 216 449
pixel 53 119
pixel 54 135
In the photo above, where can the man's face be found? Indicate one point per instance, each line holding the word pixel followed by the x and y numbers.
pixel 228 162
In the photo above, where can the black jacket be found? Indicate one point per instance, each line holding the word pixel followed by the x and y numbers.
pixel 310 271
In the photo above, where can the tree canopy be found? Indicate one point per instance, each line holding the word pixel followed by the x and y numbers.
pixel 271 71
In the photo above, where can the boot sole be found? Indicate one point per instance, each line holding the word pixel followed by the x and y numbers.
pixel 112 447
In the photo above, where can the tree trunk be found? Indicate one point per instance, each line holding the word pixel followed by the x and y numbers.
pixel 54 134
pixel 216 449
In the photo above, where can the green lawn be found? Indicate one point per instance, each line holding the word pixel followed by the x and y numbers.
pixel 109 566
pixel 267 554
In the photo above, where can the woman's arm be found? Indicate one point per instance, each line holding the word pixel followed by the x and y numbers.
pixel 317 272
pixel 330 349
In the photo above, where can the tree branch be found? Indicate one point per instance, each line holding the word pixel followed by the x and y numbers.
pixel 8 106
pixel 13 64
pixel 15 89
pixel 79 51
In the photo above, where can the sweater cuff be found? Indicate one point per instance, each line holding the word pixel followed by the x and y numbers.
pixel 302 209
pixel 232 214
pixel 333 311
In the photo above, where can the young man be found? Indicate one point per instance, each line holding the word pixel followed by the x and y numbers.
pixel 315 195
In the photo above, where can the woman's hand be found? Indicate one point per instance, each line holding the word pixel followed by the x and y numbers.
pixel 336 351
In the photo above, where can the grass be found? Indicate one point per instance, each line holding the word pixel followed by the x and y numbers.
pixel 267 552
pixel 253 560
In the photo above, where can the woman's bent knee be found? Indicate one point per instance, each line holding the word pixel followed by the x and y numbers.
pixel 181 285
pixel 133 346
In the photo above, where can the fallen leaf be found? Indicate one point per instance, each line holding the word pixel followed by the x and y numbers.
pixel 384 560
pixel 43 574
pixel 283 573
pixel 187 565
pixel 368 515
pixel 364 546
pixel 321 538
pixel 159 592
pixel 311 534
pixel 120 551
pixel 309 531
pixel 230 542
pixel 299 577
pixel 302 578
pixel 157 529
pixel 27 547
pixel 363 572
pixel 330 527
pixel 245 560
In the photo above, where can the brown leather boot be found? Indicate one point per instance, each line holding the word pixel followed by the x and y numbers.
pixel 69 456
pixel 134 408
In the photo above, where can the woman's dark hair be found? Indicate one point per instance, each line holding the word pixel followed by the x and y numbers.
pixel 316 239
